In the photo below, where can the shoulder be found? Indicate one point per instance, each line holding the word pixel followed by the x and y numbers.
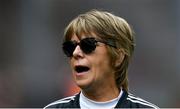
pixel 138 102
pixel 65 102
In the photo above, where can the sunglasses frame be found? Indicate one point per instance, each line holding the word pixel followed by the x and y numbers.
pixel 87 45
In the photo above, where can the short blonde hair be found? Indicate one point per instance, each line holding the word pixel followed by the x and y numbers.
pixel 107 26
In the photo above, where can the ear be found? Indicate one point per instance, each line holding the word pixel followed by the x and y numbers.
pixel 120 59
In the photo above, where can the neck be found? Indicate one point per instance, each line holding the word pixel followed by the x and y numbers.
pixel 102 94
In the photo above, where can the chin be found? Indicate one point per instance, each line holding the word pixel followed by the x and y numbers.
pixel 83 84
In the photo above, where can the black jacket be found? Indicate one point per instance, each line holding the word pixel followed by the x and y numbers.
pixel 126 101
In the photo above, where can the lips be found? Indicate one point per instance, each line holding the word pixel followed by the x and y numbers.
pixel 81 69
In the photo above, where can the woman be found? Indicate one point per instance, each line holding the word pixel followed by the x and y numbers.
pixel 99 46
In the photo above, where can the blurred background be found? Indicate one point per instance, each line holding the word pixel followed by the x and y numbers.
pixel 34 71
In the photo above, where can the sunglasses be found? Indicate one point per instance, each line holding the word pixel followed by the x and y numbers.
pixel 87 45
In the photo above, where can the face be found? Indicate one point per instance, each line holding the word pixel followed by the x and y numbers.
pixel 92 70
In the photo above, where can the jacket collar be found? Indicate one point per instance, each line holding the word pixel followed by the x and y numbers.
pixel 76 103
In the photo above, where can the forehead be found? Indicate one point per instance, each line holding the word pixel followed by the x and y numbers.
pixel 82 36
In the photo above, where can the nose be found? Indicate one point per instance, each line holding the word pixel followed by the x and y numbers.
pixel 77 52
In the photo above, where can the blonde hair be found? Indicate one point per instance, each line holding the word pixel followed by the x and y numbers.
pixel 107 26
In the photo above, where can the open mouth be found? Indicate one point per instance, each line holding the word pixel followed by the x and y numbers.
pixel 81 69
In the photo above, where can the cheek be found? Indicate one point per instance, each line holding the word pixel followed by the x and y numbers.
pixel 105 65
pixel 103 59
pixel 102 65
pixel 71 63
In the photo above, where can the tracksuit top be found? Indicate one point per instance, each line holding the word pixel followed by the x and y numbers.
pixel 126 101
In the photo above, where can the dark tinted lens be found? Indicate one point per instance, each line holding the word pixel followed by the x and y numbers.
pixel 68 47
pixel 88 45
